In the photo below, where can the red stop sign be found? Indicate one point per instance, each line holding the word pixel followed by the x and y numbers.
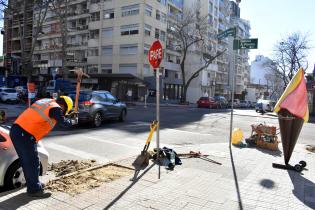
pixel 155 54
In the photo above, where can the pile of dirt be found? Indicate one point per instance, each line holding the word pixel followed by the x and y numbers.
pixel 69 166
pixel 310 148
pixel 84 181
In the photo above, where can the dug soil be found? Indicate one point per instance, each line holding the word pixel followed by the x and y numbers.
pixel 81 182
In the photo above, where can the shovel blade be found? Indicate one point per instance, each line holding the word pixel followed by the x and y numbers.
pixel 142 161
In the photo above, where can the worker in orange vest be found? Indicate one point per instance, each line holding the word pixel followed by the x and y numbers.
pixel 29 128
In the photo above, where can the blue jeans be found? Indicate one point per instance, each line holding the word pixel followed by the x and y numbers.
pixel 26 148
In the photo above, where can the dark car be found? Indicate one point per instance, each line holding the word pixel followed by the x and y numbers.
pixel 96 106
pixel 223 103
pixel 207 102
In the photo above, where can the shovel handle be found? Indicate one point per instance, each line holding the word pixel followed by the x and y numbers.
pixel 153 127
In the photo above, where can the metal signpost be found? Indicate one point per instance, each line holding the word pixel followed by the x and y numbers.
pixel 235 44
pixel 155 57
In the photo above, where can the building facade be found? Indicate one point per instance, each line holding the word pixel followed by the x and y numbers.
pixel 18 22
pixel 110 40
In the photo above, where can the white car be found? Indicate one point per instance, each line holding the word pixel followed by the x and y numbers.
pixel 8 95
pixel 11 173
pixel 265 105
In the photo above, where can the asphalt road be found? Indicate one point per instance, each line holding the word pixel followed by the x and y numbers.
pixel 179 127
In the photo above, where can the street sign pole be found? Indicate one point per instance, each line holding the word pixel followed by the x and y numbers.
pixel 232 79
pixel 155 58
pixel 157 71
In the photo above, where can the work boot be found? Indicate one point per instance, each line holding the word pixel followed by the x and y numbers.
pixel 40 194
pixel 43 185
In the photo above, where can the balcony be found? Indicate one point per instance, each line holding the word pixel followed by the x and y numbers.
pixel 173 48
pixel 171 66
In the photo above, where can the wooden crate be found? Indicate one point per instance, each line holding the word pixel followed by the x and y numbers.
pixel 264 129
pixel 268 145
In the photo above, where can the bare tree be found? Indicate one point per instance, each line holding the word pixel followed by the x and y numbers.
pixel 191 32
pixel 291 54
pixel 40 8
pixel 275 84
pixel 60 8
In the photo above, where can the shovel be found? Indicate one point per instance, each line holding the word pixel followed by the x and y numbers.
pixel 142 161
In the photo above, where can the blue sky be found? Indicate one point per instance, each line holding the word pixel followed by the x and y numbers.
pixel 272 20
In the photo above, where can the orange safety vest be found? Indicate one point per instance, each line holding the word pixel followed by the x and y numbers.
pixel 35 120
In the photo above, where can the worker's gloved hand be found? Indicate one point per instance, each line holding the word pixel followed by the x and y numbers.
pixel 72 114
pixel 75 120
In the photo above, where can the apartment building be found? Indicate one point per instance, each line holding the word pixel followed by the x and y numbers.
pixel 14 25
pixel 222 15
pixel 110 39
pixel 242 67
pixel 212 80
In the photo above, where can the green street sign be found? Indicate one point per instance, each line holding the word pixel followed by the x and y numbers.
pixel 245 44
pixel 226 33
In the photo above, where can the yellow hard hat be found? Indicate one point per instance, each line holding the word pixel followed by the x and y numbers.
pixel 68 102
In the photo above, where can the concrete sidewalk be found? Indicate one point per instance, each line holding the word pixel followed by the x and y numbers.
pixel 245 181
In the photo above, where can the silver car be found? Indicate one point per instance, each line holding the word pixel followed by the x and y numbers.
pixel 11 173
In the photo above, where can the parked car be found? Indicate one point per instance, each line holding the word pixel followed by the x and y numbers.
pixel 11 173
pixel 8 94
pixel 244 104
pixel 236 103
pixel 223 103
pixel 264 105
pixel 207 102
pixel 96 106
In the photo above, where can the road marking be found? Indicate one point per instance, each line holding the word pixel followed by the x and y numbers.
pixel 109 142
pixel 78 153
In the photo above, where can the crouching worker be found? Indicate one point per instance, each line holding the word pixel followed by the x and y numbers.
pixel 29 128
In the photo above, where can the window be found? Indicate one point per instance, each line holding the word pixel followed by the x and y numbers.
pixel 129 29
pixel 95 1
pixel 94 34
pixel 146 69
pixel 130 68
pixel 107 32
pixel 130 10
pixel 147 30
pixel 109 14
pixel 128 49
pixel 95 16
pixel 93 69
pixel 107 50
pixel 160 34
pixel 163 17
pixel 162 1
pixel 157 33
pixel 158 15
pixel 110 98
pixel 146 49
pixel 106 68
pixel 176 76
pixel 166 73
pixel 93 51
pixel 148 10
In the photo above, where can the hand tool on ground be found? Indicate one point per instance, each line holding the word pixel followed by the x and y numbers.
pixel 193 154
pixel 79 72
pixel 142 161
